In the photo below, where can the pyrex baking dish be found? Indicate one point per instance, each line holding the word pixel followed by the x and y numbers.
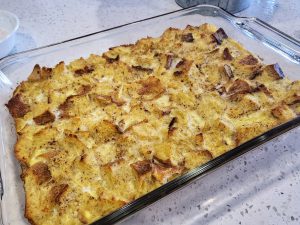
pixel 258 37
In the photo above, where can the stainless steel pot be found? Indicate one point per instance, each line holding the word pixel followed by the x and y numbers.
pixel 232 6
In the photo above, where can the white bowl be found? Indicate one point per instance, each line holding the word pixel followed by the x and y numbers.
pixel 9 23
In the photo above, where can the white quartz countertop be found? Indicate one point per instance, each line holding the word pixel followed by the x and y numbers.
pixel 261 187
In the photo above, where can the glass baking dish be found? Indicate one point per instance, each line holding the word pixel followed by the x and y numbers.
pixel 257 36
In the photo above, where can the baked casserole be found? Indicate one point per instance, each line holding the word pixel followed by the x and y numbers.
pixel 101 132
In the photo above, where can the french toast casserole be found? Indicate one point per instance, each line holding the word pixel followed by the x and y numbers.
pixel 98 133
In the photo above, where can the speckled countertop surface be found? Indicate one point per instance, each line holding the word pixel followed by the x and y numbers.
pixel 261 187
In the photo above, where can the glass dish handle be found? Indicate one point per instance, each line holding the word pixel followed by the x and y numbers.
pixel 276 39
pixel 5 86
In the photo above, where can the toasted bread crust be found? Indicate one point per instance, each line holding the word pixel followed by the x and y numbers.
pixel 41 172
pixel 142 167
pixel 44 118
pixel 17 107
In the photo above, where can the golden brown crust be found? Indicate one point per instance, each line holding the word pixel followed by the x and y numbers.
pixel 169 61
pixel 86 70
pixel 39 73
pixel 264 89
pixel 57 191
pixel 66 105
pixel 249 60
pixel 151 85
pixel 226 54
pixel 228 71
pixel 41 172
pixel 100 132
pixel 183 67
pixel 142 167
pixel 17 107
pixel 239 87
pixel 84 89
pixel 274 71
pixel 219 36
pixel 161 170
pixel 111 60
pixel 44 118
pixel 143 69
pixel 283 112
pixel 187 37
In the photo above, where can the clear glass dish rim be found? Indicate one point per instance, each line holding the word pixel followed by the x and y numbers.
pixel 179 182
pixel 230 15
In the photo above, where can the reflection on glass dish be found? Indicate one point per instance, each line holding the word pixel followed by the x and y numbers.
pixel 3 34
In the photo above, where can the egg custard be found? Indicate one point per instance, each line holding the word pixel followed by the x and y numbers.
pixel 100 132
